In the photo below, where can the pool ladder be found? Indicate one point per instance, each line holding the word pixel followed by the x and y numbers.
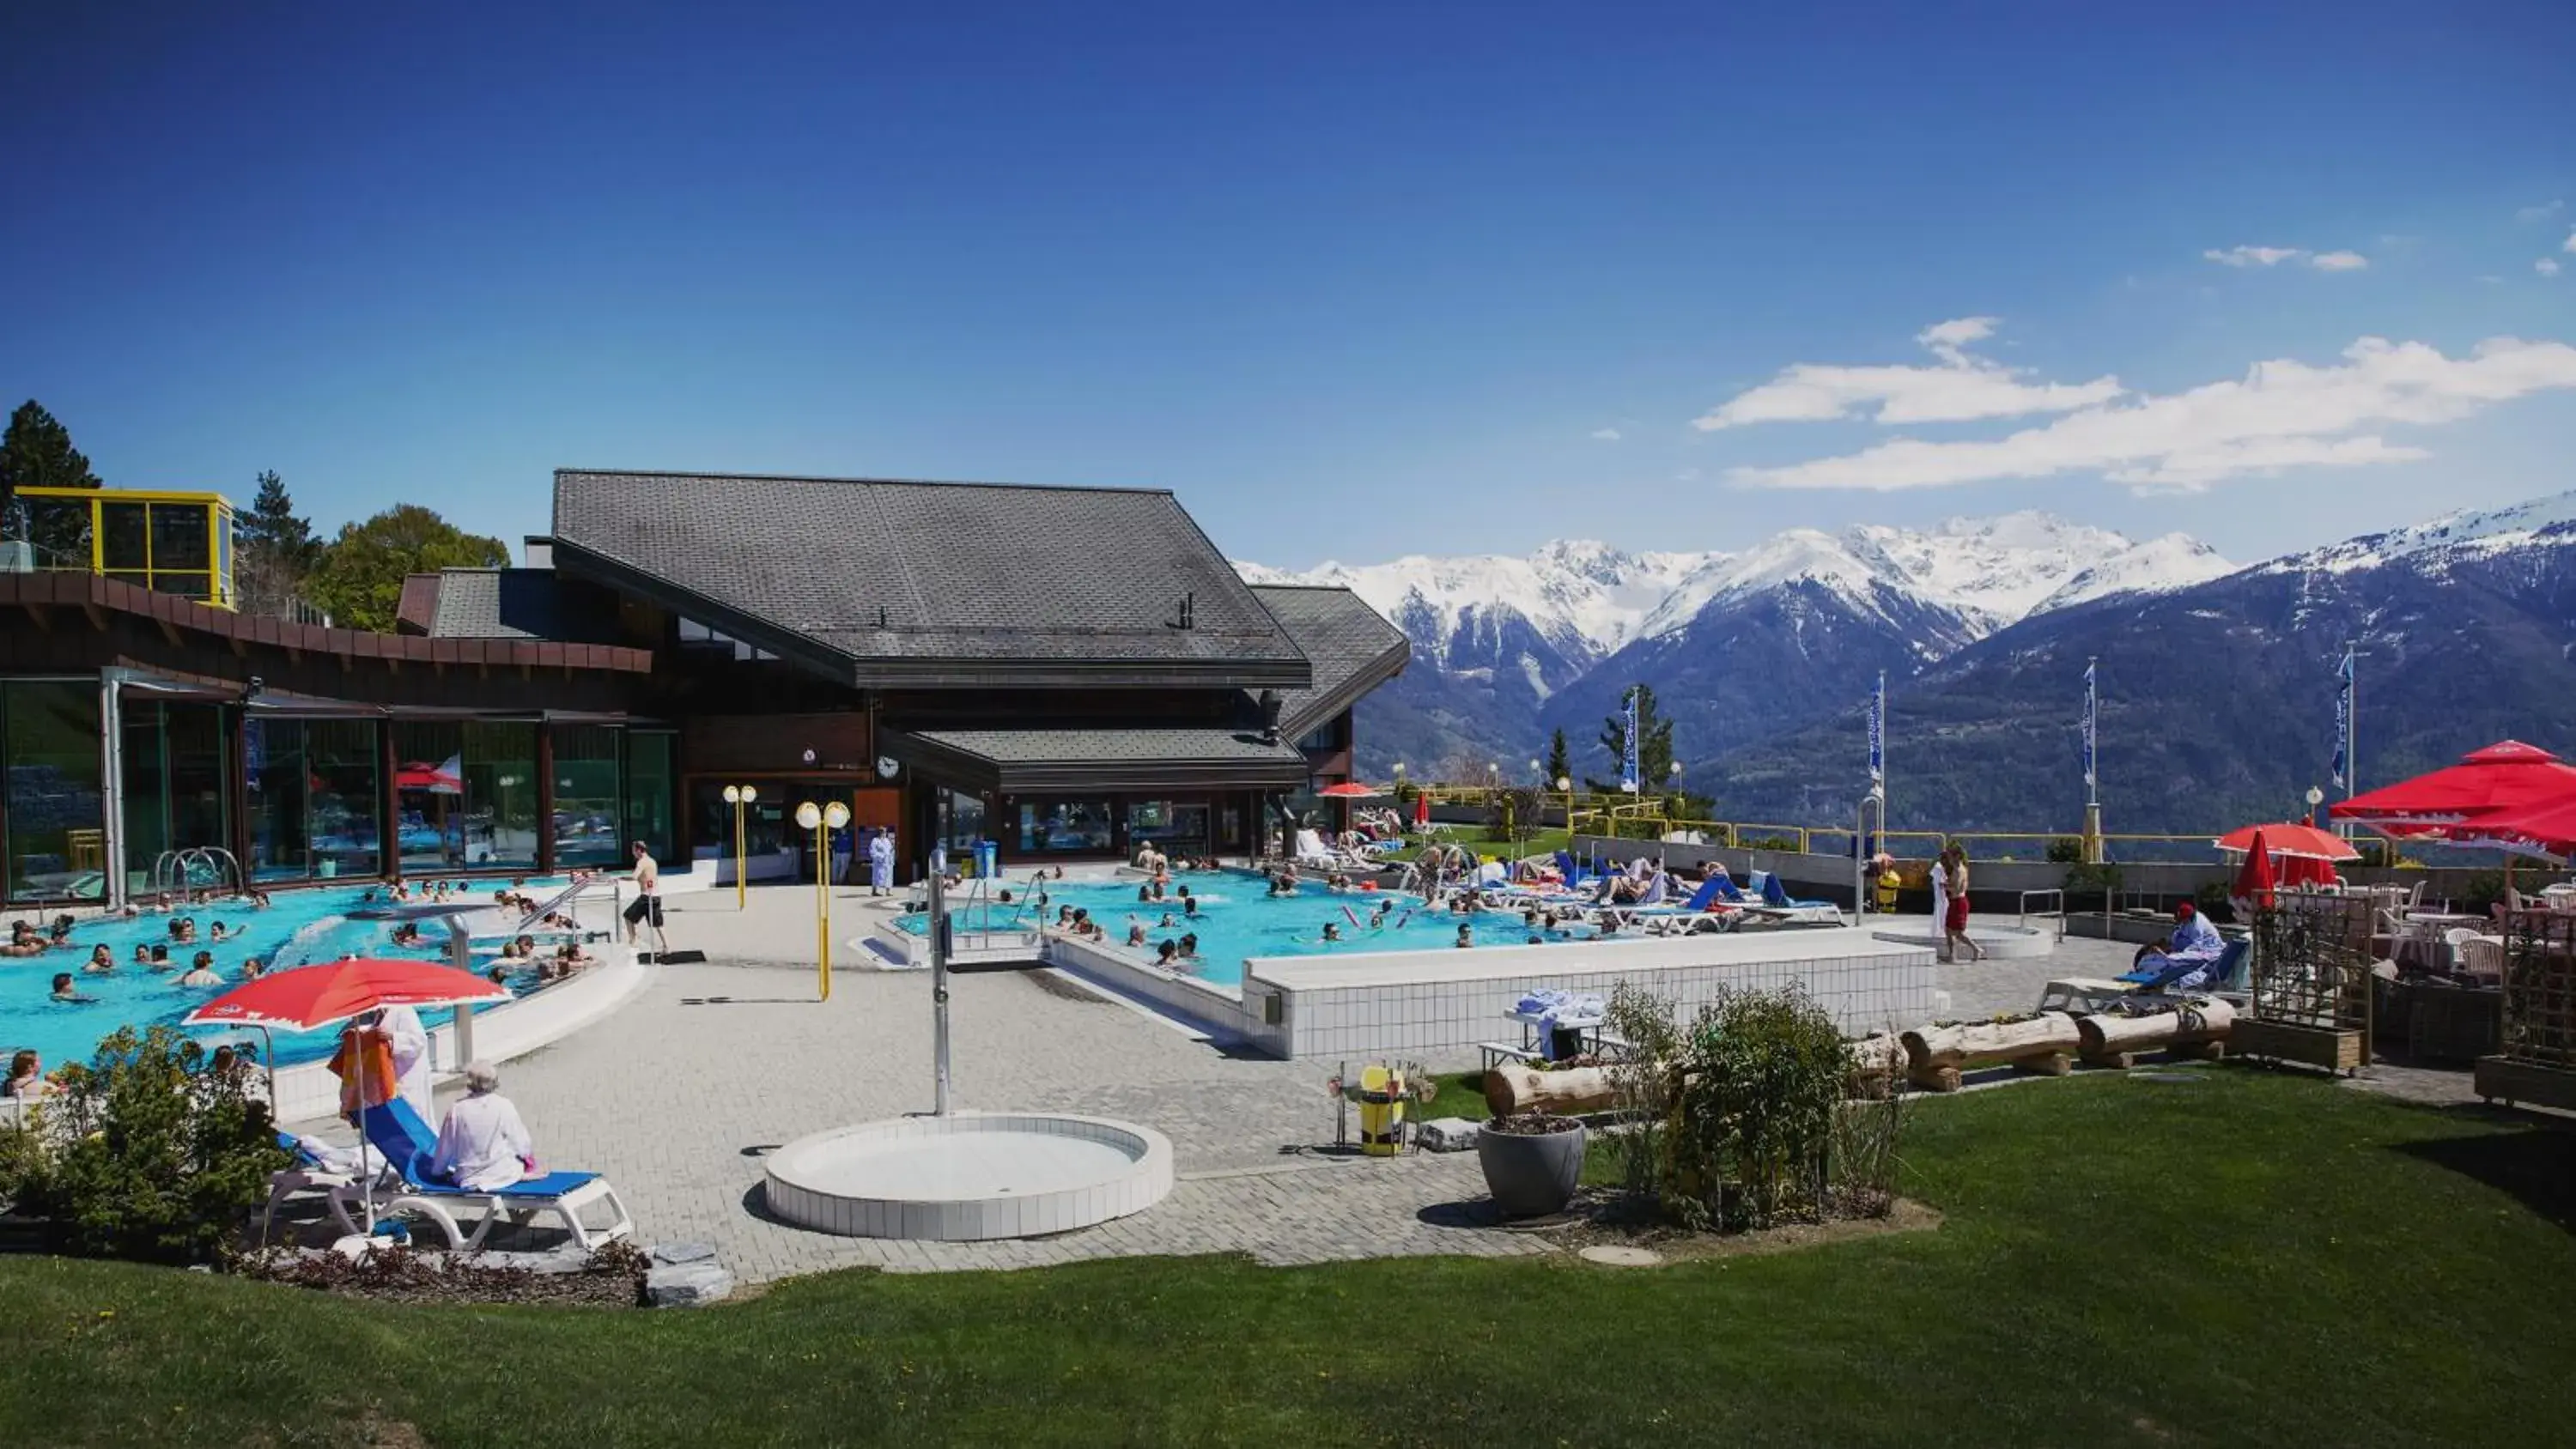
pixel 174 871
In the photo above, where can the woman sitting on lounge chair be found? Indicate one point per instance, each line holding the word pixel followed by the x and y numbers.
pixel 483 1145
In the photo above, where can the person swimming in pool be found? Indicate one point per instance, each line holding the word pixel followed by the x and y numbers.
pixel 201 972
pixel 64 993
pixel 1332 930
pixel 1466 935
pixel 1135 932
pixel 1168 954
pixel 1190 946
pixel 101 960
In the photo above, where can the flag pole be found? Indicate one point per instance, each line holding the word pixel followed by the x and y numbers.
pixel 2093 851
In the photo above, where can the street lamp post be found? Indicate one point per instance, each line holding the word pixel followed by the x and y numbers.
pixel 2316 797
pixel 740 798
pixel 821 819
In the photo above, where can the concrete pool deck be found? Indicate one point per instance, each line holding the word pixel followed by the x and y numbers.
pixel 679 1096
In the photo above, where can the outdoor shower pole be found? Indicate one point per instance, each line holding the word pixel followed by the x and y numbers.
pixel 939 946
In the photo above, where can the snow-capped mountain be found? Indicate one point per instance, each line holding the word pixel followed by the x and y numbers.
pixel 1584 599
pixel 1587 600
pixel 1506 647
pixel 2217 699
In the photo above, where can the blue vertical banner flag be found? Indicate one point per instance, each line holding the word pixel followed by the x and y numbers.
pixel 2343 721
pixel 1628 768
pixel 2092 716
pixel 1878 731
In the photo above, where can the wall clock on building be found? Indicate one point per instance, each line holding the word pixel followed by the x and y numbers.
pixel 886 766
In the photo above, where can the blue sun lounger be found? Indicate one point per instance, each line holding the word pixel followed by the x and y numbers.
pixel 395 1130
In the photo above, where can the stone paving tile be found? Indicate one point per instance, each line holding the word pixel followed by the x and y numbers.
pixel 677 1097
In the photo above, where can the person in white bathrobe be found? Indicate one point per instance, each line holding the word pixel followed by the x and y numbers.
pixel 482 1145
pixel 409 1041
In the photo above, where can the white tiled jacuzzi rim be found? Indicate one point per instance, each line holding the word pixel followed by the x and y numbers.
pixel 1389 1001
pixel 1147 1182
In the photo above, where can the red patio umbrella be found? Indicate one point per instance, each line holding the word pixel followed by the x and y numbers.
pixel 308 997
pixel 305 998
pixel 1421 809
pixel 2548 830
pixel 2450 804
pixel 2254 882
pixel 1349 790
pixel 2293 840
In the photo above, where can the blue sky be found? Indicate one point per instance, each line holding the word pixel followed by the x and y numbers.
pixel 1353 280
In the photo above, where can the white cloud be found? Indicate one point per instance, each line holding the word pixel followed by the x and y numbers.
pixel 2253 256
pixel 2274 256
pixel 2281 414
pixel 1606 435
pixel 2546 266
pixel 1961 388
pixel 1687 475
pixel 2542 212
pixel 2570 244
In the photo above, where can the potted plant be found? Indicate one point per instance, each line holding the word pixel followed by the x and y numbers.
pixel 1532 1162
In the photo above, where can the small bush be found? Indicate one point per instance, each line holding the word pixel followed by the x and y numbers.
pixel 1643 1082
pixel 2066 850
pixel 1752 1124
pixel 142 1155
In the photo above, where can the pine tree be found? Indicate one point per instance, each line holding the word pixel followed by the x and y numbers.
pixel 1654 746
pixel 273 549
pixel 1560 763
pixel 37 452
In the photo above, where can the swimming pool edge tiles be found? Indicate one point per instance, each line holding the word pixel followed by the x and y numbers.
pixel 1421 1001
pixel 1436 1001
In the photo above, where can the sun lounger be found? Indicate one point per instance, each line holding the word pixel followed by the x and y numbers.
pixel 395 1130
pixel 309 1173
pixel 1702 906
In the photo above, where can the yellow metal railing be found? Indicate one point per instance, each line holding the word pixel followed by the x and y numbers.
pixel 1645 819
pixel 171 542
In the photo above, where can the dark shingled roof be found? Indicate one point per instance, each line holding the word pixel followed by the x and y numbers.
pixel 876 582
pixel 520 604
pixel 1075 759
pixel 1352 647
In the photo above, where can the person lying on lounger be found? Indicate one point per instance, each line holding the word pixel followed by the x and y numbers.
pixel 2194 939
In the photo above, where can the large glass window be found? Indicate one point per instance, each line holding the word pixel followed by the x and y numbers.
pixel 343 762
pixel 467 794
pixel 765 826
pixel 1065 827
pixel 57 835
pixel 651 774
pixel 586 795
pixel 145 795
pixel 181 557
pixel 273 762
pixel 125 542
pixel 961 824
pixel 1176 827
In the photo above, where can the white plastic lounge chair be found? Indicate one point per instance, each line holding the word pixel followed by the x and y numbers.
pixel 308 1174
pixel 395 1130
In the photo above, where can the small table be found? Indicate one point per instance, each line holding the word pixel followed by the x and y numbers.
pixel 1589 1036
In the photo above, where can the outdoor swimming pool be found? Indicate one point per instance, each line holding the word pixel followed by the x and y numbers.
pixel 1238 920
pixel 305 925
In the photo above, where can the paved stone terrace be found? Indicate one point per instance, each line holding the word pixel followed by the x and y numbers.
pixel 677 1097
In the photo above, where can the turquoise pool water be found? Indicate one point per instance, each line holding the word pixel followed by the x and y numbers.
pixel 299 927
pixel 1238 919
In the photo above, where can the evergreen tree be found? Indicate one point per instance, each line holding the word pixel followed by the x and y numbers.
pixel 1654 746
pixel 359 579
pixel 37 452
pixel 1560 763
pixel 273 549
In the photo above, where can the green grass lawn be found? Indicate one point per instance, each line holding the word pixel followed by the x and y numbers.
pixel 1474 839
pixel 2246 1258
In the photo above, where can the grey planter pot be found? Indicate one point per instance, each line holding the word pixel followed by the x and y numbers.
pixel 1531 1176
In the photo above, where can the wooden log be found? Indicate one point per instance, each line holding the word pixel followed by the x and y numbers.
pixel 2112 1040
pixel 1518 1087
pixel 1876 1059
pixel 1989 1043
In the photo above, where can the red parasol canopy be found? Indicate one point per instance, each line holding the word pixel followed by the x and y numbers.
pixel 2548 830
pixel 2287 839
pixel 1421 810
pixel 308 997
pixel 2254 882
pixel 2451 804
pixel 1349 790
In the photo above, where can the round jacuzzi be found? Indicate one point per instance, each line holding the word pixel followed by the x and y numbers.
pixel 2002 942
pixel 969 1176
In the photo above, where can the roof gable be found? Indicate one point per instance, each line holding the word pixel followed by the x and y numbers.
pixel 1352 647
pixel 879 581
